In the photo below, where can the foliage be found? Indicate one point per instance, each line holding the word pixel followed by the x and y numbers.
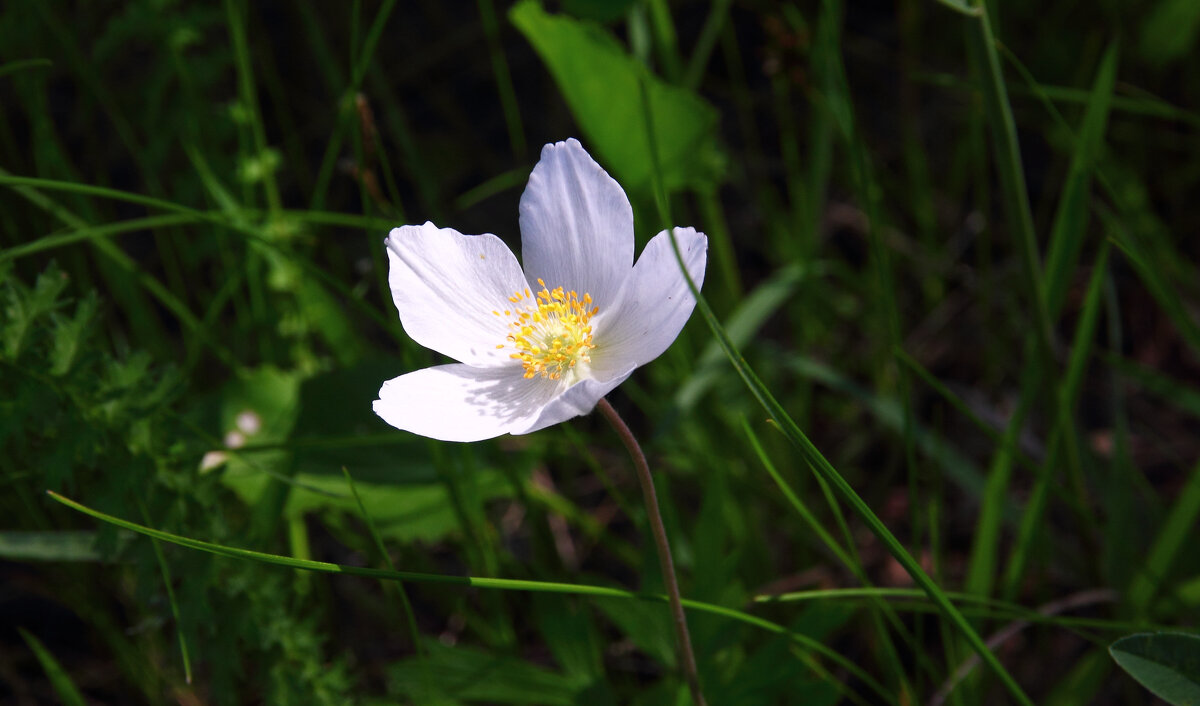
pixel 1167 664
pixel 945 386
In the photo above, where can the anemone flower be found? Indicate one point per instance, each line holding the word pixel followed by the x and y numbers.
pixel 539 345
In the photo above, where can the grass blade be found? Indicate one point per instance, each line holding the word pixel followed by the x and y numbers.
pixel 982 44
pixel 817 460
pixel 1178 528
pixel 67 692
pixel 471 581
pixel 409 617
pixel 1062 445
pixel 1071 219
pixel 167 583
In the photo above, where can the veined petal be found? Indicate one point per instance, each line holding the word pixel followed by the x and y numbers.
pixel 448 288
pixel 463 403
pixel 655 305
pixel 576 401
pixel 576 225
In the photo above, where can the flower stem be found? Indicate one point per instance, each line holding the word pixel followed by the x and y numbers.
pixel 687 658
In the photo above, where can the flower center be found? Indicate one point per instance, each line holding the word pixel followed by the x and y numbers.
pixel 549 331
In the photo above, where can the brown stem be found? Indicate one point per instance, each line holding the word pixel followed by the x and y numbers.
pixel 687 658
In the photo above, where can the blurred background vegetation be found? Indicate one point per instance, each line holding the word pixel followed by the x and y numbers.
pixel 961 254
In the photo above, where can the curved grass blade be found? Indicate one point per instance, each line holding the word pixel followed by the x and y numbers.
pixel 476 582
pixel 389 325
pixel 67 692
pixel 23 64
pixel 58 240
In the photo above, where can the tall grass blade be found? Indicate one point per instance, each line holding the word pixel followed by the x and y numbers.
pixel 817 461
pixel 1071 219
pixel 1019 215
pixel 68 693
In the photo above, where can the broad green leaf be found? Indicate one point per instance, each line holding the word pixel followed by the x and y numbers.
pixel 467 674
pixel 603 85
pixel 570 634
pixel 68 693
pixel 337 427
pixel 260 408
pixel 1189 592
pixel 1169 30
pixel 769 676
pixel 647 625
pixel 1166 663
pixel 403 512
pixel 311 429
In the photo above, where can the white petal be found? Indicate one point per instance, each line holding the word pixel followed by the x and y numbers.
pixel 577 401
pixel 655 305
pixel 447 285
pixel 576 225
pixel 462 403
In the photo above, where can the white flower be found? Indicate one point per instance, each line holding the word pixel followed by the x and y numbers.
pixel 541 345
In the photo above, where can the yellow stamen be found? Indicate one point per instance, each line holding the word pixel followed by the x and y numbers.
pixel 550 333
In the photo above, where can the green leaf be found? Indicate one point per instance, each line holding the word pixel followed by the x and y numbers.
pixel 647 625
pixel 259 408
pixel 25 306
pixel 467 674
pixel 402 511
pixel 1166 663
pixel 1170 30
pixel 68 693
pixel 570 634
pixel 602 84
pixel 71 333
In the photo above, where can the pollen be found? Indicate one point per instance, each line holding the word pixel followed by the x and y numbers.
pixel 549 331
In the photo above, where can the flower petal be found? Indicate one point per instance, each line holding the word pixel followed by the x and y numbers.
pixel 447 286
pixel 654 307
pixel 576 225
pixel 577 401
pixel 462 403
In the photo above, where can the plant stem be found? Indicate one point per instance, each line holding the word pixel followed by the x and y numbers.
pixel 687 658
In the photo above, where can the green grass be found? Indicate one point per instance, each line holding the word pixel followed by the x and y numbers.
pixel 929 437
